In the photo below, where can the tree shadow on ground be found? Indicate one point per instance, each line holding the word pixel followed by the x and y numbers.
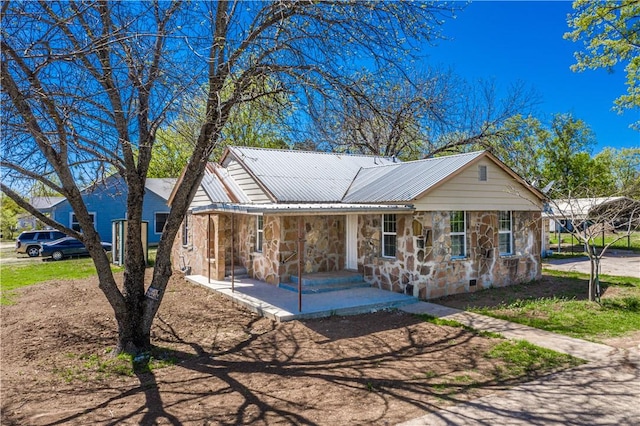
pixel 384 360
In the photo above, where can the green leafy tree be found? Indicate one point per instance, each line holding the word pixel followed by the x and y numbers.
pixel 9 219
pixel 610 32
pixel 568 162
pixel 624 166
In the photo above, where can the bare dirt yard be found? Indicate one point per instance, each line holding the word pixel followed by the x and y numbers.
pixel 231 366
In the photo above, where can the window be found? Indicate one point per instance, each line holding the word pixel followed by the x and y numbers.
pixel 482 173
pixel 160 221
pixel 185 230
pixel 76 226
pixel 458 234
pixel 505 234
pixel 259 233
pixel 389 237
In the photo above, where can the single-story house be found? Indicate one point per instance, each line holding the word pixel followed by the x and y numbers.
pixel 106 201
pixel 427 228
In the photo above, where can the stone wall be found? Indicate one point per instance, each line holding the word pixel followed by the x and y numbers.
pixel 324 247
pixel 193 256
pixel 424 267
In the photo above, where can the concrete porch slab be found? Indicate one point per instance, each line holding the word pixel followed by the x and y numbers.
pixel 282 305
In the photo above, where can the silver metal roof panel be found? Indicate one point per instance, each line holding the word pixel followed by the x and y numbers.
pixel 404 182
pixel 305 176
pixel 214 188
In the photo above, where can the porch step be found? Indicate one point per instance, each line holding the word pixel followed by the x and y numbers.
pixel 325 278
pixel 323 282
pixel 238 272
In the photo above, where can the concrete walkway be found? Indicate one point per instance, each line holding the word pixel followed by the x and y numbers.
pixel 579 348
pixel 604 392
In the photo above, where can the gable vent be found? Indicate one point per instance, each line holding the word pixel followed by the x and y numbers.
pixel 482 173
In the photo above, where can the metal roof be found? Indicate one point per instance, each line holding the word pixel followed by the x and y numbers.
pixel 404 182
pixel 231 185
pixel 161 186
pixel 214 188
pixel 45 202
pixel 305 176
pixel 576 207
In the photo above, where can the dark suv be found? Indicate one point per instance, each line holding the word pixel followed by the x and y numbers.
pixel 29 241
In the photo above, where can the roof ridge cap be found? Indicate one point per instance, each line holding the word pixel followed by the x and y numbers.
pixel 306 151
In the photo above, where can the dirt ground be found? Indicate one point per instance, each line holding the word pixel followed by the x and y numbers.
pixel 232 367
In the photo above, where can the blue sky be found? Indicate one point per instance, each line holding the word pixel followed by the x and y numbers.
pixel 514 41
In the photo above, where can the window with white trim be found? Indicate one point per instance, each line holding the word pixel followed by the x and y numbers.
pixel 389 235
pixel 259 233
pixel 185 230
pixel 505 233
pixel 73 222
pixel 458 220
pixel 160 221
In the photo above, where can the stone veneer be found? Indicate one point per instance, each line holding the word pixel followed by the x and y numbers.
pixel 324 246
pixel 423 266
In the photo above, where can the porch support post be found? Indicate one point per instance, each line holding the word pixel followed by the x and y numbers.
pixel 233 244
pixel 300 259
pixel 208 248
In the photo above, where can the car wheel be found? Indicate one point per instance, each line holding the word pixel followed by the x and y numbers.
pixel 57 255
pixel 33 251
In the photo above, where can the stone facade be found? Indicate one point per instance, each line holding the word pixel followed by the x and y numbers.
pixel 423 266
pixel 324 248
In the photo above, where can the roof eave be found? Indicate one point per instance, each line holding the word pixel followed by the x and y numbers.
pixel 301 210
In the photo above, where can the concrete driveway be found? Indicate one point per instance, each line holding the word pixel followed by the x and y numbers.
pixel 616 262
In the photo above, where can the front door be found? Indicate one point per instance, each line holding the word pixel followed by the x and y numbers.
pixel 352 242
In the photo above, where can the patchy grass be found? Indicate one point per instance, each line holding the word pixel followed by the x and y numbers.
pixel 558 304
pixel 106 367
pixel 576 318
pixel 451 323
pixel 17 275
pixel 522 358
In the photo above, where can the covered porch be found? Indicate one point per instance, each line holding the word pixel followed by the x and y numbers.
pixel 280 304
pixel 277 243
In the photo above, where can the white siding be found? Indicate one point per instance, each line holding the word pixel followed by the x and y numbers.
pixel 246 183
pixel 465 191
pixel 200 199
